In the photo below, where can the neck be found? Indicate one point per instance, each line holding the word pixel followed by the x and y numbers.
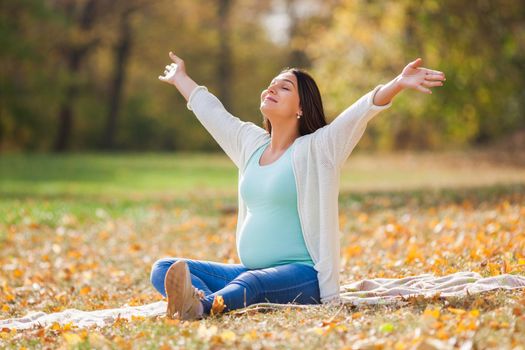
pixel 283 136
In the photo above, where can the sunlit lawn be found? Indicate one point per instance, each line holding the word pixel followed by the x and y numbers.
pixel 81 231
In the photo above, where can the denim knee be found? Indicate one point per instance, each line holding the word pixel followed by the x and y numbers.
pixel 158 273
pixel 250 282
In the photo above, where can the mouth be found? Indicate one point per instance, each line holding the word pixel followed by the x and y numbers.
pixel 270 99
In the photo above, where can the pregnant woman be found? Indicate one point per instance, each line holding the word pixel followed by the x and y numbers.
pixel 287 232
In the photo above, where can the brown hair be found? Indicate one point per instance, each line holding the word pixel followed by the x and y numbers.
pixel 310 100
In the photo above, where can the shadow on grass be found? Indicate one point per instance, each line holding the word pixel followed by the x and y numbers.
pixel 484 302
pixel 425 198
pixel 226 202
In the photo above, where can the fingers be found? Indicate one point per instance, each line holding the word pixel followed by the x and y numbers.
pixel 423 89
pixel 431 83
pixel 170 67
pixel 435 77
pixel 174 57
pixel 416 63
pixel 434 74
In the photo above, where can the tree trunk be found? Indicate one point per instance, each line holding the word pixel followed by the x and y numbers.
pixel 224 68
pixel 122 49
pixel 65 115
pixel 297 57
pixel 75 54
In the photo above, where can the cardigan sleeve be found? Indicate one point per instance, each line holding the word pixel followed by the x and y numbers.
pixel 339 138
pixel 230 132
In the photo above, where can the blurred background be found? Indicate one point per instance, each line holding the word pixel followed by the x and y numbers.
pixel 82 75
pixel 103 169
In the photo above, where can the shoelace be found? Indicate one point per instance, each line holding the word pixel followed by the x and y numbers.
pixel 198 293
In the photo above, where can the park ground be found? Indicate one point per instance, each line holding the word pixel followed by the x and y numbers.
pixel 82 231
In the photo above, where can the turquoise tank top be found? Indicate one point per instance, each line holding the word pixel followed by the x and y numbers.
pixel 271 234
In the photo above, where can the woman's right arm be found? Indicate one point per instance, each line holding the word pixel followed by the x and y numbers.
pixel 232 134
pixel 175 74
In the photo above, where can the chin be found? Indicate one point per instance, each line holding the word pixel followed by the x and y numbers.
pixel 265 106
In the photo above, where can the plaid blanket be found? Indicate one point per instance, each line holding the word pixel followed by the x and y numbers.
pixel 367 291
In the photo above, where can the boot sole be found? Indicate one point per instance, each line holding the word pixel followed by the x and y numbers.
pixel 175 287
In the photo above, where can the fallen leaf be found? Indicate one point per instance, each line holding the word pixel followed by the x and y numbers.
pixel 218 305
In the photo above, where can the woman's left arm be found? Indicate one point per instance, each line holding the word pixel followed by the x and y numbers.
pixel 340 137
pixel 412 77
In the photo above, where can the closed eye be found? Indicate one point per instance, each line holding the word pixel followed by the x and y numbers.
pixel 284 86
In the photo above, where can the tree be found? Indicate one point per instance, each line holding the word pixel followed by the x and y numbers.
pixel 75 52
pixel 224 64
pixel 121 53
pixel 476 43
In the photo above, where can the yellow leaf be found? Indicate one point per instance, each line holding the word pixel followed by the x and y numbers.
pixel 85 290
pixel 5 308
pixel 97 341
pixel 103 235
pixel 442 334
pixel 438 325
pixel 413 254
pixel 362 217
pixel 72 338
pixel 386 327
pixel 318 330
pixel 456 311
pixel 494 269
pixel 228 336
pixel 171 322
pixel 466 325
pixel 431 313
pixel 353 250
pixel 474 313
pixel 74 254
pixel 122 343
pixel 341 328
pixel 135 247
pixel 140 334
pixel 356 315
pixel 218 305
pixel 252 335
pixel 521 261
pixel 400 346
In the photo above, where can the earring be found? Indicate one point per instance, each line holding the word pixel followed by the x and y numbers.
pixel 298 116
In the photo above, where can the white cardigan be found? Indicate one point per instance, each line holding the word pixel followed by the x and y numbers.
pixel 317 160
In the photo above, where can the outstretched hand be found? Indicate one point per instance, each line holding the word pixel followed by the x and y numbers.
pixel 420 78
pixel 173 70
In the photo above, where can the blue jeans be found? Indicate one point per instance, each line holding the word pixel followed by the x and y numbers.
pixel 240 286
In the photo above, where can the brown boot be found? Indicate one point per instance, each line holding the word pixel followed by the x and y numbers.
pixel 184 300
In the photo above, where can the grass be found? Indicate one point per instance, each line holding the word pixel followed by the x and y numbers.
pixel 81 231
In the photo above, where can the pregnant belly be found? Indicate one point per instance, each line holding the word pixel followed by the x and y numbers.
pixel 264 243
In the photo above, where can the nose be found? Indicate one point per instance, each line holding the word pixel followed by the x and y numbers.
pixel 269 91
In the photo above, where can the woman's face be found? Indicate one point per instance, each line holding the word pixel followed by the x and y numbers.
pixel 281 99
